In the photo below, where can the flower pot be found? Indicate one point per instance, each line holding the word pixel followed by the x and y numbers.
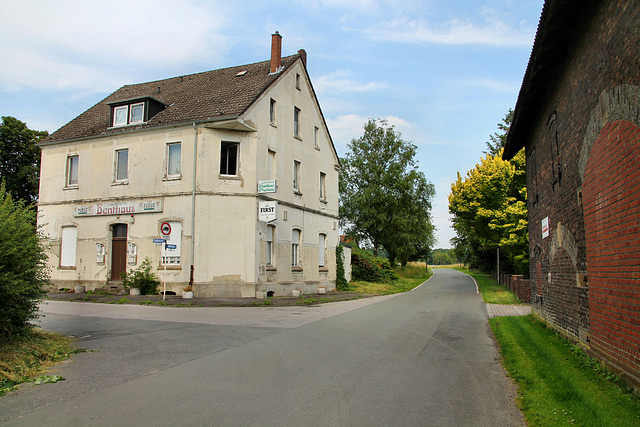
pixel 187 294
pixel 134 291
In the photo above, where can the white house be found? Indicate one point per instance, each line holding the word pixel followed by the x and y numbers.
pixel 198 159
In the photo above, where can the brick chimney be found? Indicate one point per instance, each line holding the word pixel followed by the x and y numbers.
pixel 303 56
pixel 276 52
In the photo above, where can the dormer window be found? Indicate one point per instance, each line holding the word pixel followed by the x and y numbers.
pixel 133 111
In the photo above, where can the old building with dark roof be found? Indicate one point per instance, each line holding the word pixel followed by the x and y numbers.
pixel 234 168
pixel 578 117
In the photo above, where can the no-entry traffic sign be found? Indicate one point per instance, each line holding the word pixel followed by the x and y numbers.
pixel 165 228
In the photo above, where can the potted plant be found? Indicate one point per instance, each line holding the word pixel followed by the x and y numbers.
pixel 141 281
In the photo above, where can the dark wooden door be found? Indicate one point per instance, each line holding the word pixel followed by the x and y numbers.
pixel 118 251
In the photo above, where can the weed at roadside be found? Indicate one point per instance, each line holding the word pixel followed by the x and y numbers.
pixel 25 358
pixel 556 383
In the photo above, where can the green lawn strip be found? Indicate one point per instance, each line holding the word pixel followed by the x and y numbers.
pixel 411 276
pixel 492 292
pixel 26 358
pixel 555 387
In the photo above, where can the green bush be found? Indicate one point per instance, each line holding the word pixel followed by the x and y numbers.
pixel 366 267
pixel 142 278
pixel 341 281
pixel 23 271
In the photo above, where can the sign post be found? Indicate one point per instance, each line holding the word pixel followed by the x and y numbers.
pixel 165 228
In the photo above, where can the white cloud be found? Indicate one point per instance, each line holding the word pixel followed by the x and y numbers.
pixel 346 127
pixel 109 40
pixel 339 82
pixel 493 31
pixel 492 84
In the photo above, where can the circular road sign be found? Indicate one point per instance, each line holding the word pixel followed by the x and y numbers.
pixel 165 228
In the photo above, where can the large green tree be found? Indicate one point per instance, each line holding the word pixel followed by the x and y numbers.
pixel 20 159
pixel 498 140
pixel 384 199
pixel 489 211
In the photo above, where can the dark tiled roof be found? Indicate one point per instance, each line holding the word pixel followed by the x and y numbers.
pixel 212 95
pixel 557 21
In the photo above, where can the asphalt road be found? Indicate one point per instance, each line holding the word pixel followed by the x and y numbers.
pixel 424 358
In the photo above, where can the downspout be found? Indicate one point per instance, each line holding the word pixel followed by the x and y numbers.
pixel 193 204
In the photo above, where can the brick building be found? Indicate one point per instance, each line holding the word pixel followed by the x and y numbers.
pixel 577 117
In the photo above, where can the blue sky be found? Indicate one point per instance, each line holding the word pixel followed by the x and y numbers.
pixel 443 72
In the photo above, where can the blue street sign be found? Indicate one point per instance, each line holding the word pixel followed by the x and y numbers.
pixel 172 247
pixel 158 241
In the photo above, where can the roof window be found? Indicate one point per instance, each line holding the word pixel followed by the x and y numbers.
pixel 134 111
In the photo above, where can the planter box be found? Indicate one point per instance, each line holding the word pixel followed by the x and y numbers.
pixel 134 291
pixel 296 292
pixel 187 294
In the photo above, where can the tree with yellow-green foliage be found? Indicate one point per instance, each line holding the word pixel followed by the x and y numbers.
pixel 489 208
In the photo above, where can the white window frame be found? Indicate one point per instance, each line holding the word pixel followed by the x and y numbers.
pixel 68 246
pixel 297 167
pixel 272 111
pixel 116 178
pixel 296 237
pixel 271 249
pixel 271 164
pixel 131 108
pixel 322 250
pixel 316 132
pixel 176 174
pixel 175 238
pixel 323 187
pixel 125 117
pixel 72 174
pixel 296 122
pixel 228 144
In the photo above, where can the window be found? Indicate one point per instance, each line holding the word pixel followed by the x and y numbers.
pixel 137 113
pixel 68 246
pixel 173 159
pixel 323 186
pixel 72 171
pixel 271 237
pixel 122 165
pixel 271 164
pixel 128 114
pixel 297 81
pixel 322 249
pixel 315 137
pixel 295 248
pixel 120 115
pixel 272 112
pixel 229 158
pixel 296 122
pixel 296 176
pixel 172 256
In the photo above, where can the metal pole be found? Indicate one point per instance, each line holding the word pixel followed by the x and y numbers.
pixel 498 265
pixel 164 292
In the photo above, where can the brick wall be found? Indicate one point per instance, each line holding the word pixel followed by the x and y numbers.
pixel 583 180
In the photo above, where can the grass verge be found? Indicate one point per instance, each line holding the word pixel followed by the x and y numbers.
pixel 558 384
pixel 25 359
pixel 411 276
pixel 492 293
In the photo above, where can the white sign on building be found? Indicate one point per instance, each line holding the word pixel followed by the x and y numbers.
pixel 267 186
pixel 118 208
pixel 545 227
pixel 267 211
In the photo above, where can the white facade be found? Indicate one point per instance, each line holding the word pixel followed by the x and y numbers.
pixel 94 192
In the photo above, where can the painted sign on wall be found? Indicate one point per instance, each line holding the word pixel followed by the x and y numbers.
pixel 118 208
